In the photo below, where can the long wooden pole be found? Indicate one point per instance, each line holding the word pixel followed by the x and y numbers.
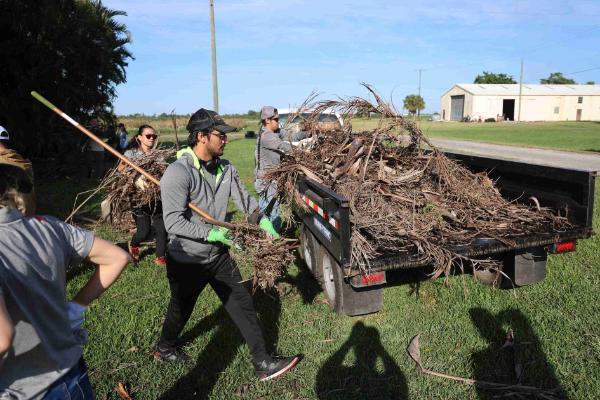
pixel 207 218
pixel 213 48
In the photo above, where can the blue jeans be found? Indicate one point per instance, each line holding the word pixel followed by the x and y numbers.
pixel 75 385
pixel 263 203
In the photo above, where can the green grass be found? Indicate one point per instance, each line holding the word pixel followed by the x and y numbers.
pixel 462 325
pixel 579 136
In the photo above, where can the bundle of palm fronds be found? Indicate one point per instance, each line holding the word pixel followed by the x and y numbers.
pixel 404 199
pixel 268 257
pixel 128 189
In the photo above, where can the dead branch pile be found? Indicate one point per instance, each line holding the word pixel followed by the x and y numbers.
pixel 123 193
pixel 269 257
pixel 402 198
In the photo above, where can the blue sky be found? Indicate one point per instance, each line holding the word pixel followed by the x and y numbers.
pixel 277 52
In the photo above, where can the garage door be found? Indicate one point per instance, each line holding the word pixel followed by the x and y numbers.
pixel 457 107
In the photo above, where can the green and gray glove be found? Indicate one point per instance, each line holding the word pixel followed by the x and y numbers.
pixel 219 235
pixel 267 226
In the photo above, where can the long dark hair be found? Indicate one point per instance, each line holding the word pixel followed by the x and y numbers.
pixel 134 142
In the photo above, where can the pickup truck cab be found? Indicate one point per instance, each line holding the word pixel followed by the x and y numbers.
pixel 326 231
pixel 291 120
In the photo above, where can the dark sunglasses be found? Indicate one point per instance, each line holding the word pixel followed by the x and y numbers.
pixel 222 136
pixel 151 136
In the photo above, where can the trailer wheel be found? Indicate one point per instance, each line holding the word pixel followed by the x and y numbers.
pixel 331 280
pixel 341 296
pixel 309 249
pixel 488 276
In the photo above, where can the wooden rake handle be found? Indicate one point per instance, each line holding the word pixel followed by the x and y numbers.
pixel 205 216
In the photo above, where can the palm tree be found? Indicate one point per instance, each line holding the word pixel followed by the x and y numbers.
pixel 414 103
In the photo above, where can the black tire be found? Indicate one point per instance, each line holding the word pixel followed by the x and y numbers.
pixel 309 250
pixel 341 296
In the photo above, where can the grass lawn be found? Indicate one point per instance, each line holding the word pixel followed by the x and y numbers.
pixel 577 136
pixel 580 136
pixel 556 325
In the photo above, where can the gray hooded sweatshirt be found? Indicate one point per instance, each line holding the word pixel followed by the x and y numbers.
pixel 187 180
pixel 269 149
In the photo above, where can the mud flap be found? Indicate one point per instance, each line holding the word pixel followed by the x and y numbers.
pixel 361 301
pixel 527 267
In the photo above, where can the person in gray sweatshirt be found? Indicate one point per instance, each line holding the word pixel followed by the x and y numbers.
pixel 197 252
pixel 271 145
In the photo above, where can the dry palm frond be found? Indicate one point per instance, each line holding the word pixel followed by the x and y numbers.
pixel 402 198
pixel 124 195
pixel 269 257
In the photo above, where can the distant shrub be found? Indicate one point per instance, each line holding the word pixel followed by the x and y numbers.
pixel 238 123
pixel 490 120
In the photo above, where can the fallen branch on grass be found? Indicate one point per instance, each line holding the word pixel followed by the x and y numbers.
pixel 513 391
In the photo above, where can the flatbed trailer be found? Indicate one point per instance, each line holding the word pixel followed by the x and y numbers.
pixel 326 232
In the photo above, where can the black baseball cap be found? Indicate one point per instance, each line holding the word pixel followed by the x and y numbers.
pixel 207 119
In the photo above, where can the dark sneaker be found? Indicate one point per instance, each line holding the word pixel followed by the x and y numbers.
pixel 274 367
pixel 170 354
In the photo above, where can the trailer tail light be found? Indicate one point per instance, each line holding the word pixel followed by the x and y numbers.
pixel 564 247
pixel 376 278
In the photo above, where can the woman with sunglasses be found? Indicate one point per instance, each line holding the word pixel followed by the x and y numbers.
pixel 146 215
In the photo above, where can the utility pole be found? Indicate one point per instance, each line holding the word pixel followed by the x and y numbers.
pixel 520 91
pixel 213 47
pixel 418 109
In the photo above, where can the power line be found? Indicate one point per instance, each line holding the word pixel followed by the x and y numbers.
pixel 585 70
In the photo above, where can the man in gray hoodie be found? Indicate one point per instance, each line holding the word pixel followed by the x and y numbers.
pixel 272 143
pixel 198 252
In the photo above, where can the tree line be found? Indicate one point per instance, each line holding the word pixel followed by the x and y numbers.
pixel 74 52
pixel 555 78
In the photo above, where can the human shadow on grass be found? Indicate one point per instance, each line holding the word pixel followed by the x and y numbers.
pixel 363 379
pixel 304 282
pixel 523 362
pixel 223 347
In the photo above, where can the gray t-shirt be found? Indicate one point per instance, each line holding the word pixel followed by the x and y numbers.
pixel 33 260
pixel 133 153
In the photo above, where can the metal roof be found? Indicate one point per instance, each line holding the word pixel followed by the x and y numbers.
pixel 530 89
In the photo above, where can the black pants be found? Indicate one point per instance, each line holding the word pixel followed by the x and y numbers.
pixel 187 281
pixel 143 221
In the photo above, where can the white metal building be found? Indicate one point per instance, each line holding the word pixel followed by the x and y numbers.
pixel 538 102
